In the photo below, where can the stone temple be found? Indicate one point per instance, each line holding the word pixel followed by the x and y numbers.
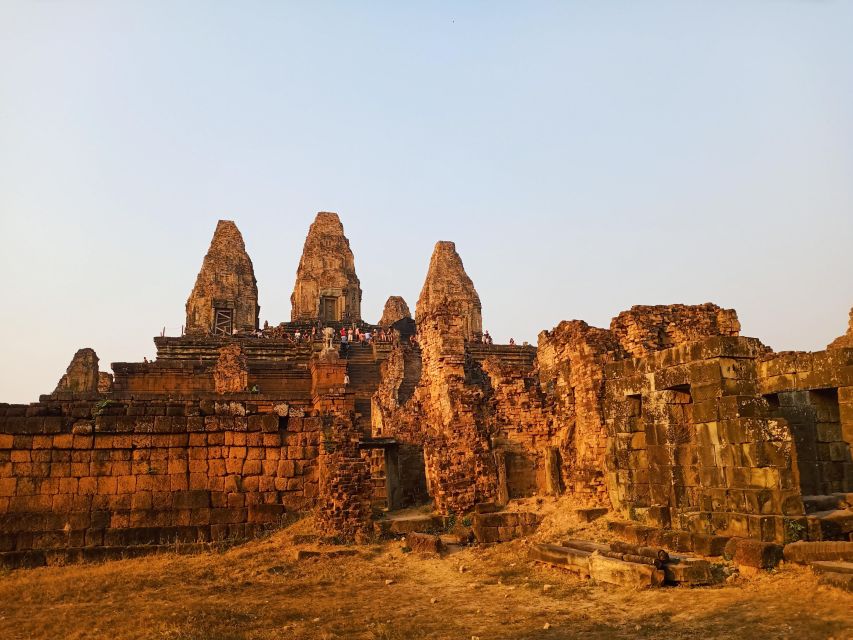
pixel 686 434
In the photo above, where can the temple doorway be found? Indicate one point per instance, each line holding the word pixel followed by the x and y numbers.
pixel 328 309
pixel 223 322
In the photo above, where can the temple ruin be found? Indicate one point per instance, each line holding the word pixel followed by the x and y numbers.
pixel 688 434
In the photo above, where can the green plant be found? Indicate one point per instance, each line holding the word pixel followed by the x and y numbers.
pixel 466 521
pixel 98 407
pixel 794 531
pixel 450 522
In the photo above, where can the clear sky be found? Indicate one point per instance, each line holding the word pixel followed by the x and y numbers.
pixel 584 156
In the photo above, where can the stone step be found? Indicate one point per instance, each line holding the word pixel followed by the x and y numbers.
pixel 828 502
pixel 809 552
pixel 410 524
pixel 576 560
pixel 627 574
pixel 836 579
pixel 834 524
pixel 832 567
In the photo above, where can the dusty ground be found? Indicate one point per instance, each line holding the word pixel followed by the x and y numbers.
pixel 259 591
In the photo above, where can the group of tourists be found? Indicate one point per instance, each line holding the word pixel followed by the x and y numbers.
pixel 354 335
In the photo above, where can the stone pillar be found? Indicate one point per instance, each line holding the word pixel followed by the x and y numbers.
pixel 343 506
pixel 329 391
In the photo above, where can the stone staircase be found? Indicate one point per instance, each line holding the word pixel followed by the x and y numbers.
pixel 364 378
pixel 411 375
pixel 516 355
pixel 829 517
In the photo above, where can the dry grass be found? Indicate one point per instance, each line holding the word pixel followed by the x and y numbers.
pixel 258 592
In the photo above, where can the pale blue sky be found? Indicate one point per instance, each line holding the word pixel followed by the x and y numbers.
pixel 584 156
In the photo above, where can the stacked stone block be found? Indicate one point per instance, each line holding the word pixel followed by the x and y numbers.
pixel 102 474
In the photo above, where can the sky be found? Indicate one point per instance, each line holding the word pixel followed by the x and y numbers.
pixel 584 156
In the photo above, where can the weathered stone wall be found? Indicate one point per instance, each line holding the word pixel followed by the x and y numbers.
pixel 226 281
pixel 522 430
pixel 814 393
pixel 86 474
pixel 693 445
pixel 185 368
pixel 326 271
pixel 571 360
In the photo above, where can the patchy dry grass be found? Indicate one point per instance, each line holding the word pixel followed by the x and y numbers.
pixel 259 592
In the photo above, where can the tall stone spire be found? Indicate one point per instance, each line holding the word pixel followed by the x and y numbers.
pixel 845 341
pixel 448 288
pixel 327 287
pixel 395 309
pixel 82 374
pixel 225 296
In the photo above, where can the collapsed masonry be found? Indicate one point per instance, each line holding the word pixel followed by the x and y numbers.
pixel 668 417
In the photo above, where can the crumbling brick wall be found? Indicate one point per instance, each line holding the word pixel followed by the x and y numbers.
pixel 345 489
pixel 645 329
pixel 522 430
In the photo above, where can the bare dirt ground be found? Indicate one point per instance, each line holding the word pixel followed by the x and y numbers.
pixel 259 591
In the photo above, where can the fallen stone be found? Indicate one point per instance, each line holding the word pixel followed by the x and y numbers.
pixel 589 515
pixel 424 543
pixel 417 524
pixel 304 554
pixel 627 574
pixel 757 554
pixel 688 572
